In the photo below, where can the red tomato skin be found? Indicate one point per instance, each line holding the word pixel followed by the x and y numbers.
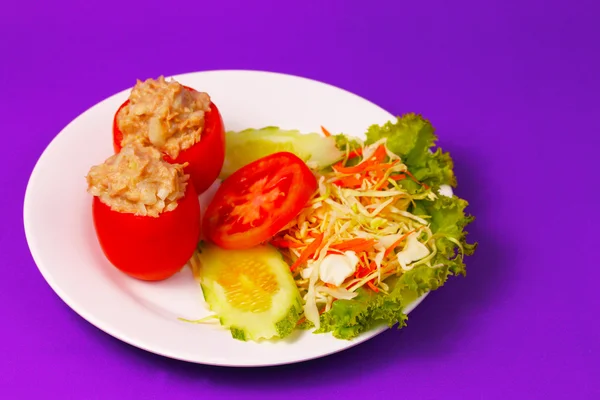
pixel 301 190
pixel 205 158
pixel 149 248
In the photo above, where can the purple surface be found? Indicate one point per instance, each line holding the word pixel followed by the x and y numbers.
pixel 513 90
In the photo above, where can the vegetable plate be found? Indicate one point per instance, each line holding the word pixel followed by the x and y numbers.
pixel 245 218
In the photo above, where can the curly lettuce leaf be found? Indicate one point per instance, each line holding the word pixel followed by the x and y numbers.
pixel 448 223
pixel 346 143
pixel 412 137
pixel 349 318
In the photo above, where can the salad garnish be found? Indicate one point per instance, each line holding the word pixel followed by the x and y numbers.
pixel 382 228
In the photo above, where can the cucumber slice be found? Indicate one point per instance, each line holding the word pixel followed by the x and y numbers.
pixel 249 145
pixel 252 291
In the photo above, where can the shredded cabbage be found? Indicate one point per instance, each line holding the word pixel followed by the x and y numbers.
pixel 372 212
pixel 390 202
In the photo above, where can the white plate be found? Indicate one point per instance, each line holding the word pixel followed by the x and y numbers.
pixel 60 233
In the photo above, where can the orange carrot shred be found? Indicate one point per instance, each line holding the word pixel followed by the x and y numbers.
pixel 379 154
pixel 355 153
pixel 325 131
pixel 339 167
pixel 349 182
pixel 357 245
pixel 310 250
pixel 362 266
pixel 373 287
pixel 365 165
pixel 381 167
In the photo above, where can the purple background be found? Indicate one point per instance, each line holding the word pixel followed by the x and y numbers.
pixel 513 90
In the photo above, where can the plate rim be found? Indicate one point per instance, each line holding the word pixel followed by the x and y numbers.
pixel 107 328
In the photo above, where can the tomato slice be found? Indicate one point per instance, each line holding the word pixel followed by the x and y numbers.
pixel 149 248
pixel 258 200
pixel 205 158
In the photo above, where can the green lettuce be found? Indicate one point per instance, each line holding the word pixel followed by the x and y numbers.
pixel 347 143
pixel 412 138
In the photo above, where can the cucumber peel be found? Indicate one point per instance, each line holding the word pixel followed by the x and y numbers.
pixel 252 291
pixel 249 145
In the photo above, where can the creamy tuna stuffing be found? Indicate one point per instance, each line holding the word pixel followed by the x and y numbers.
pixel 163 114
pixel 138 181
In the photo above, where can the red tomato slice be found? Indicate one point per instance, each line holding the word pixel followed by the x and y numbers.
pixel 258 200
pixel 149 248
pixel 205 158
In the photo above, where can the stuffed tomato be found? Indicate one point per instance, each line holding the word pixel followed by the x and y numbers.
pixel 180 122
pixel 145 211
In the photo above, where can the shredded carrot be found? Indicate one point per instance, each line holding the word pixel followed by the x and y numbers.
pixel 329 285
pixel 357 245
pixel 339 167
pixel 349 182
pixel 369 283
pixel 363 247
pixel 397 243
pixel 379 175
pixel 381 179
pixel 334 251
pixel 354 182
pixel 310 250
pixel 355 153
pixel 366 271
pixel 325 131
pixel 359 272
pixel 366 246
pixel 380 154
pixel 373 163
pixel 362 266
pixel 380 167
pixel 373 287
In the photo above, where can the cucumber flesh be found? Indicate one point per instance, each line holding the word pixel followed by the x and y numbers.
pixel 249 145
pixel 252 291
